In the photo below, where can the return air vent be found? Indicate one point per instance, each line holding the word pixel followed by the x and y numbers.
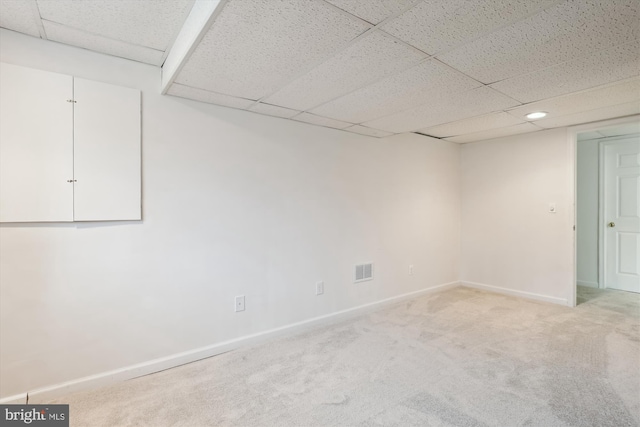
pixel 364 272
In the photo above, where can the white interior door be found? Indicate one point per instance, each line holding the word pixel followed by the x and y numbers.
pixel 106 152
pixel 36 145
pixel 622 214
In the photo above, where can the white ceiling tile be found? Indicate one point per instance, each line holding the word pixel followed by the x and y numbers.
pixel 321 121
pixel 434 26
pixel 255 47
pixel 363 130
pixel 19 15
pixel 586 136
pixel 402 91
pixel 150 23
pixel 444 109
pixel 628 109
pixel 626 129
pixel 600 68
pixel 494 133
pixel 73 37
pixel 374 11
pixel 614 94
pixel 209 97
pixel 570 30
pixel 273 110
pixel 473 124
pixel 371 58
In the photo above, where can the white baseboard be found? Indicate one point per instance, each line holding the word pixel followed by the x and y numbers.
pixel 47 394
pixel 587 284
pixel 15 399
pixel 515 293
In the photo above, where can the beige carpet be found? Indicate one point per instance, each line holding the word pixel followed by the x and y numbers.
pixel 458 358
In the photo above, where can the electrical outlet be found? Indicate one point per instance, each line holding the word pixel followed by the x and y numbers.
pixel 240 303
pixel 319 288
pixel 411 270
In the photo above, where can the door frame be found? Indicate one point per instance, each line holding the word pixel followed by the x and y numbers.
pixel 601 200
pixel 572 142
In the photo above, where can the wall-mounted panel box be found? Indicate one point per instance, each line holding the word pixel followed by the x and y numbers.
pixel 69 148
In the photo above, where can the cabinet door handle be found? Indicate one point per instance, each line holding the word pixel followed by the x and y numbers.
pixel 72 180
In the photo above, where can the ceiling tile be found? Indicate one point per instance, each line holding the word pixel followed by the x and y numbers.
pixel 73 37
pixel 619 93
pixel 122 20
pixel 321 121
pixel 494 133
pixel 600 68
pixel 626 129
pixel 363 130
pixel 586 136
pixel 209 97
pixel 473 124
pixel 444 109
pixel 627 109
pixel 570 30
pixel 255 47
pixel 19 15
pixel 434 26
pixel 273 110
pixel 371 58
pixel 374 11
pixel 402 91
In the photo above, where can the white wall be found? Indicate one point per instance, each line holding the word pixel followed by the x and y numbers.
pixel 510 242
pixel 233 203
pixel 587 213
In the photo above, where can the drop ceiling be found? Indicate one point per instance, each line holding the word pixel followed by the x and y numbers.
pixel 461 70
pixel 625 130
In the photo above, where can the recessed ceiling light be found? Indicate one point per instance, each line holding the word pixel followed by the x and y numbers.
pixel 536 115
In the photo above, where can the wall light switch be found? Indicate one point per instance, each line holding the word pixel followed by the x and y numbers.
pixel 319 288
pixel 552 207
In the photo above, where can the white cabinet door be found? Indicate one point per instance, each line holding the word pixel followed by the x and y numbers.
pixel 36 145
pixel 107 166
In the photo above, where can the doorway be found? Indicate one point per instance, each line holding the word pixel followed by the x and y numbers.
pixel 608 207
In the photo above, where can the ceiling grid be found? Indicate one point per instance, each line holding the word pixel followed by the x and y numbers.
pixel 461 70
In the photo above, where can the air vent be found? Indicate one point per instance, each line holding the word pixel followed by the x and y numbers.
pixel 364 272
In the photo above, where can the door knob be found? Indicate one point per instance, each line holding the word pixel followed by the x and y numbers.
pixel 612 224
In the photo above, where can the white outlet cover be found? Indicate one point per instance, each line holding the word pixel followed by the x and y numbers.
pixel 239 306
pixel 319 288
